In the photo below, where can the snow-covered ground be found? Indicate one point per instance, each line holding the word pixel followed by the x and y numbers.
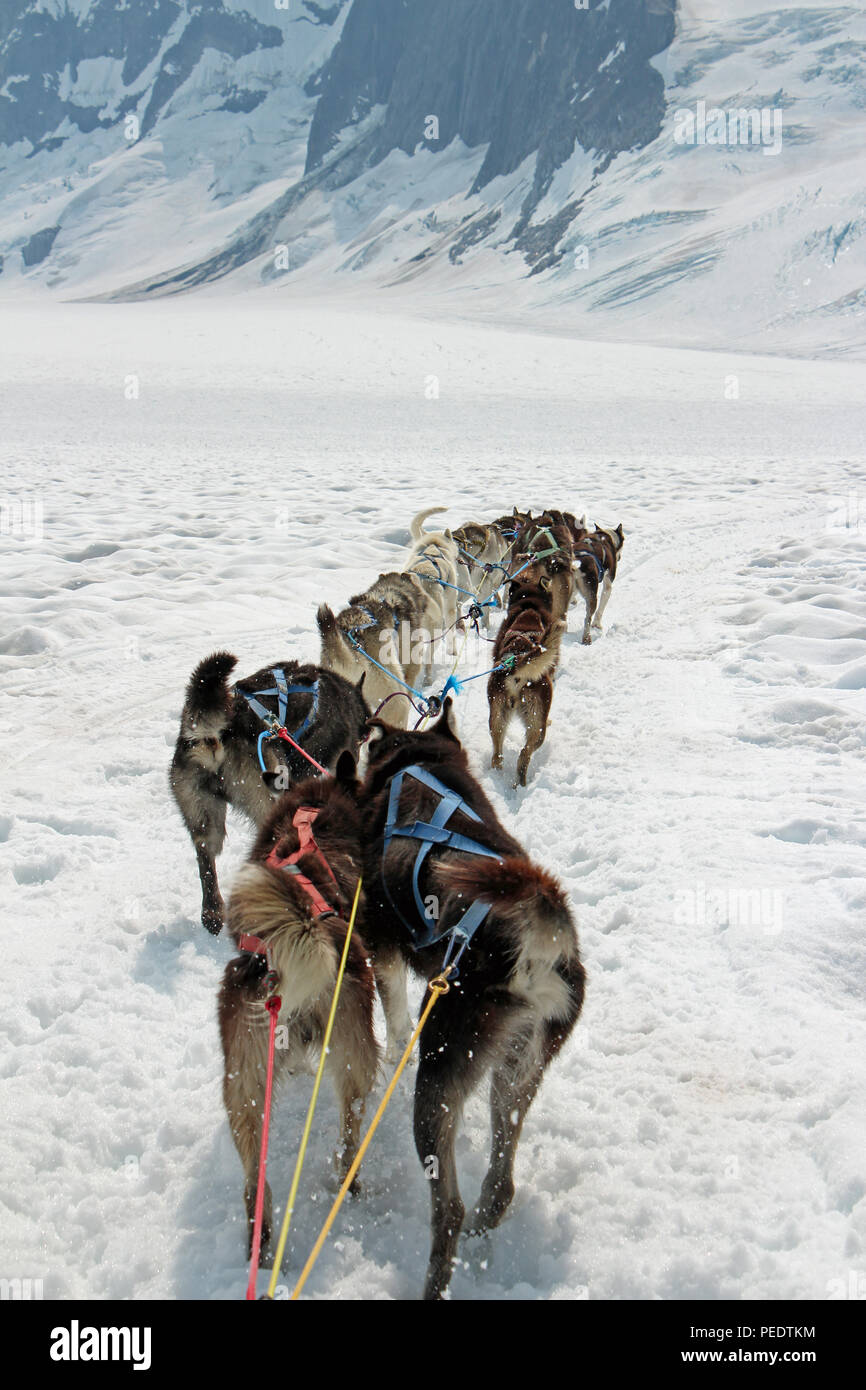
pixel 201 475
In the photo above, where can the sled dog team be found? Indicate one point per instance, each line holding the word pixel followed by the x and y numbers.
pixel 438 868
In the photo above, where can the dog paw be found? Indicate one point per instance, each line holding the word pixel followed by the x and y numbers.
pixel 212 920
pixel 489 1212
pixel 587 640
pixel 342 1164
pixel 264 1248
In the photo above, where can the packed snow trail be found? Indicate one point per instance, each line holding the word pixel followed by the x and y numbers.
pixel 207 474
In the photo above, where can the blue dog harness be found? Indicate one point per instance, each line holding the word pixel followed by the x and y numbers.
pixel 283 690
pixel 598 564
pixel 430 833
pixel 274 723
pixel 437 577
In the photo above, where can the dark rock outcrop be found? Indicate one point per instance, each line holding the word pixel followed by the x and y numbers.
pixel 515 75
pixel 39 245
pixel 37 45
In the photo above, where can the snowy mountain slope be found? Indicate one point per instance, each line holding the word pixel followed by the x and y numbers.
pixel 553 186
pixel 700 791
pixel 217 94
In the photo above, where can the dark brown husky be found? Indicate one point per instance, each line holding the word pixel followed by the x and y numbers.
pixel 289 908
pixel 528 641
pixel 546 537
pixel 520 985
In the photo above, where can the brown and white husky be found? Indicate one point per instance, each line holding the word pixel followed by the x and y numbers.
pixel 521 983
pixel 288 911
pixel 528 641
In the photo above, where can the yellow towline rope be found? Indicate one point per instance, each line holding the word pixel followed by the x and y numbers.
pixel 311 1110
pixel 438 987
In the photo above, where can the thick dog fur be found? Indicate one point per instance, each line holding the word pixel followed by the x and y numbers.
pixel 481 568
pixel 521 982
pixel 215 763
pixel 531 633
pixel 434 557
pixel 415 616
pixel 510 525
pixel 378 627
pixel 605 545
pixel 305 952
pixel 535 537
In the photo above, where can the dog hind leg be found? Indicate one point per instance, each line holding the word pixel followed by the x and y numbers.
pixel 245 1050
pixel 606 586
pixel 391 982
pixel 533 709
pixel 447 1071
pixel 513 1087
pixel 499 721
pixel 354 1062
pixel 204 814
pixel 590 595
pixel 212 906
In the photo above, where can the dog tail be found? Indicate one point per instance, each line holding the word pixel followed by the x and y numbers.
pixel 302 951
pixel 416 525
pixel 207 694
pixel 329 632
pixel 530 904
pixel 508 882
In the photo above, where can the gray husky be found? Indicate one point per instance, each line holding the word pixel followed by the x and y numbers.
pixel 384 636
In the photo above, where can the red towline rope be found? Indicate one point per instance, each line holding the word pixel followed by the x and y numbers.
pixel 287 738
pixel 273 1007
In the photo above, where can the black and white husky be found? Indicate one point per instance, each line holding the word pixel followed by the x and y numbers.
pixel 216 758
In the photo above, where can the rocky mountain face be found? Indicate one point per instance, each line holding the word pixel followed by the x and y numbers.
pixel 148 147
pixel 515 76
pixel 152 47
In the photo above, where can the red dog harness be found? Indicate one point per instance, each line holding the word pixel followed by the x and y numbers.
pixel 302 821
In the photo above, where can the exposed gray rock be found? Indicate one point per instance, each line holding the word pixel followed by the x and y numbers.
pixel 37 45
pixel 39 246
pixel 518 76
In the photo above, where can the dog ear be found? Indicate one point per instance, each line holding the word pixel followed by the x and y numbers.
pixel 446 724
pixel 619 531
pixel 376 730
pixel 346 769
